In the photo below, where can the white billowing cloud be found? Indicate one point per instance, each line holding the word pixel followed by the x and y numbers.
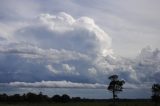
pixel 62 31
pixel 69 69
pixel 66 69
pixel 92 71
pixel 60 47
pixel 123 67
pixel 144 68
pixel 148 65
pixel 50 68
pixel 148 55
pixel 56 84
pixel 120 19
pixel 27 50
pixel 61 23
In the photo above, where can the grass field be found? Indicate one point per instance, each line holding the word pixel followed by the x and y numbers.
pixel 81 104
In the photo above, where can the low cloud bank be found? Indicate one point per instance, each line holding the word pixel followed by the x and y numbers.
pixel 56 84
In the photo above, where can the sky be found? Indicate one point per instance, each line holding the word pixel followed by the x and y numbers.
pixel 79 43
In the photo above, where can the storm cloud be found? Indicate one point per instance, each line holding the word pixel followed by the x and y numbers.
pixel 71 50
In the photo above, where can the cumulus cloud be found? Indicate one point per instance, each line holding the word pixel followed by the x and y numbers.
pixel 27 50
pixel 50 68
pixel 143 68
pixel 60 47
pixel 148 65
pixel 66 69
pixel 62 31
pixel 69 69
pixel 58 44
pixel 92 71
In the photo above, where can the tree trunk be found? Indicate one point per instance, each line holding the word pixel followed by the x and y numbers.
pixel 113 97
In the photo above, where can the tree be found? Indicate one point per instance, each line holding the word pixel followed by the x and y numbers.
pixel 65 98
pixel 56 98
pixel 156 93
pixel 115 86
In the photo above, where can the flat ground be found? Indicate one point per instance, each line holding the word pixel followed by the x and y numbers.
pixel 81 104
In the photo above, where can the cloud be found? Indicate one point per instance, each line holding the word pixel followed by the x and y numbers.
pixel 69 69
pixel 66 69
pixel 143 68
pixel 148 65
pixel 80 35
pixel 92 71
pixel 68 84
pixel 53 44
pixel 122 24
pixel 56 84
pixel 60 47
pixel 50 68
pixel 82 44
pixel 27 50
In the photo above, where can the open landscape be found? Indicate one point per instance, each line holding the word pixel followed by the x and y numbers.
pixel 31 99
pixel 79 52
pixel 81 104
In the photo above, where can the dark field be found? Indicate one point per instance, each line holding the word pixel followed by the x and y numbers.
pixel 81 104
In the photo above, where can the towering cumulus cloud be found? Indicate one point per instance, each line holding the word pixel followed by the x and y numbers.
pixel 56 49
pixel 64 32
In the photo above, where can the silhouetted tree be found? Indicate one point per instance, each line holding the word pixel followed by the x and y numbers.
pixel 76 99
pixel 56 98
pixel 15 98
pixel 115 86
pixel 31 97
pixel 65 98
pixel 156 93
pixel 3 97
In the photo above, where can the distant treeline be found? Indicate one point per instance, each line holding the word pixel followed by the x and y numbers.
pixel 32 97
